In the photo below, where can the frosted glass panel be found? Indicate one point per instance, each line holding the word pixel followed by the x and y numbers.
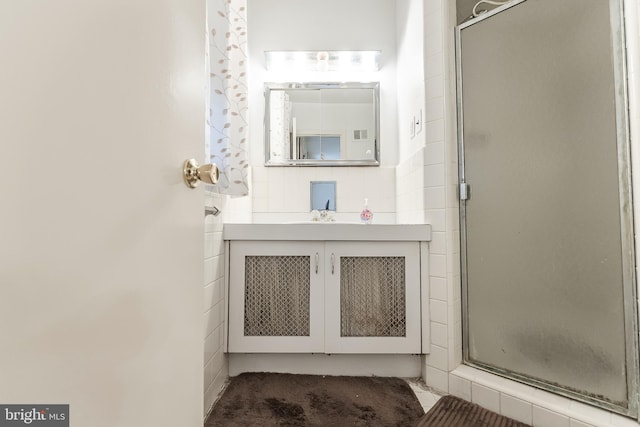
pixel 543 239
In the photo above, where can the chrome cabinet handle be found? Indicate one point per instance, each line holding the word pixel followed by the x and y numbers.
pixel 333 262
pixel 317 258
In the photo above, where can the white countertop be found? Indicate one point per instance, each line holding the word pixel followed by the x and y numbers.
pixel 328 231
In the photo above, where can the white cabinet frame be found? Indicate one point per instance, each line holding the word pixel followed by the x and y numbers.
pixel 324 310
pixel 334 342
pixel 237 341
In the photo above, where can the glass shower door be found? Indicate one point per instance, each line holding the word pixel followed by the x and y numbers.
pixel 547 229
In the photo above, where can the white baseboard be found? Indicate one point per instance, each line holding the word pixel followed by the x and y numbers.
pixel 380 365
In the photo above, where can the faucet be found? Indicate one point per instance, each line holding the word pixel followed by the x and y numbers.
pixel 324 215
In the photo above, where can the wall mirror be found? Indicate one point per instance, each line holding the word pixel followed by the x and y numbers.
pixel 322 124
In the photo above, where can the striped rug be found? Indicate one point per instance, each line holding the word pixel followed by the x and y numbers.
pixel 451 411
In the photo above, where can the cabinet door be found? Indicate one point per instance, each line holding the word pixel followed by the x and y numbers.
pixel 276 297
pixel 372 297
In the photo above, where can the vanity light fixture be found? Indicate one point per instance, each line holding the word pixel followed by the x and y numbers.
pixel 323 60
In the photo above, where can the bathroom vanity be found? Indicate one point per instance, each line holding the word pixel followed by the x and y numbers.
pixel 327 288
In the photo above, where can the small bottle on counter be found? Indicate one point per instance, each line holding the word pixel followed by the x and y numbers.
pixel 366 216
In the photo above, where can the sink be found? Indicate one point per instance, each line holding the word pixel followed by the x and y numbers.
pixel 338 230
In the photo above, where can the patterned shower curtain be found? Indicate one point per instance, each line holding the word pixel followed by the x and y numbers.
pixel 227 121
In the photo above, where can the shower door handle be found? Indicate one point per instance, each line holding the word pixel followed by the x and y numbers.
pixel 465 191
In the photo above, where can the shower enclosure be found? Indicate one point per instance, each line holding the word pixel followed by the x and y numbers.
pixel 546 209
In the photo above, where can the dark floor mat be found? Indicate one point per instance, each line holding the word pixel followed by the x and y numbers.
pixel 260 399
pixel 452 411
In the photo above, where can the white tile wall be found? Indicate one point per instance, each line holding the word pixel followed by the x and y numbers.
pixel 438 244
pixel 485 397
pixel 437 358
pixel 439 335
pixel 434 175
pixel 523 402
pixel 460 387
pixel 434 151
pixel 215 361
pixel 434 86
pixel 288 192
pixel 515 408
pixel 434 66
pixel 409 190
pixel 575 423
pixel 620 421
pixel 587 412
pixel 437 265
pixel 438 288
pixel 434 197
pixel 437 379
pixel 422 195
pixel 436 217
pixel 545 418
pixel 438 311
pixel 435 133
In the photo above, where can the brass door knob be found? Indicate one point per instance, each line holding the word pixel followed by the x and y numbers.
pixel 193 173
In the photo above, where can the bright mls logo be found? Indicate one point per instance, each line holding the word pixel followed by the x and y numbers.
pixel 34 415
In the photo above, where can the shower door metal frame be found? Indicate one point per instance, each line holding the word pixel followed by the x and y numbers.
pixel 631 312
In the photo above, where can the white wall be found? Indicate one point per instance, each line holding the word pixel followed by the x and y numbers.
pixel 431 178
pixel 428 171
pixel 410 173
pixel 410 30
pixel 216 368
pixel 326 25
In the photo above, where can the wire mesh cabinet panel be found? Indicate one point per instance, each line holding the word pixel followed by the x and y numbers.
pixel 372 297
pixel 276 297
